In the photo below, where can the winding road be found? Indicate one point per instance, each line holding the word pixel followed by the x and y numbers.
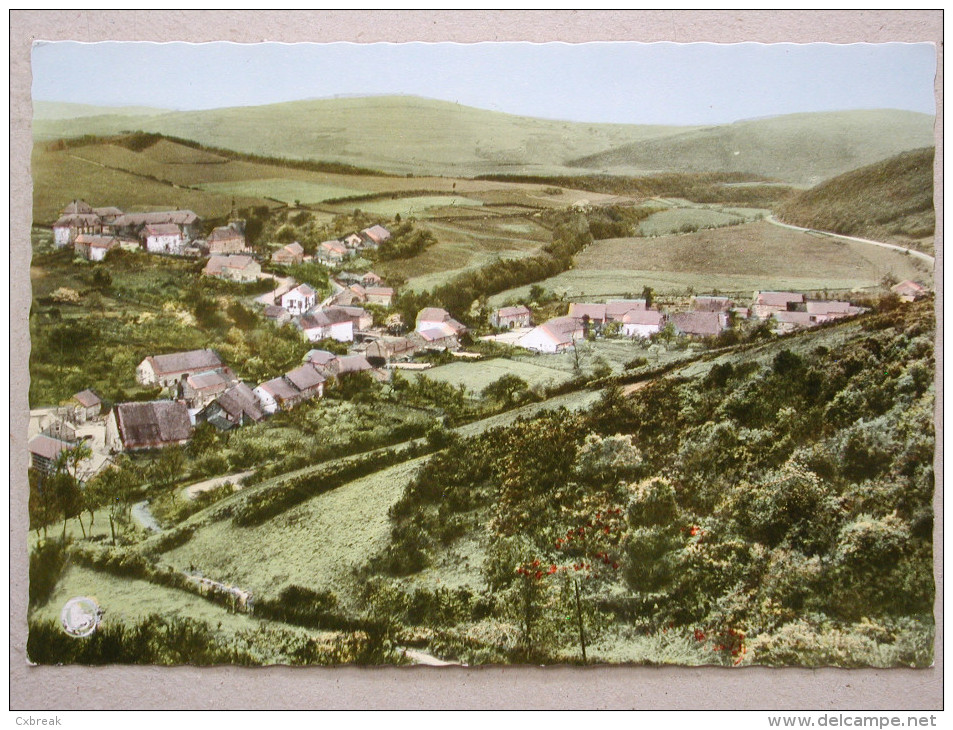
pixel 919 254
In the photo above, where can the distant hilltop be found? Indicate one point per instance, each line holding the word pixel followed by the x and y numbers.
pixel 407 134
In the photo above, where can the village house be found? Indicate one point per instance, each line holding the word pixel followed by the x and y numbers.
pixel 382 296
pixel 700 324
pixel 766 303
pixel 45 452
pixel 227 239
pixel 348 364
pixel 162 238
pixel 353 241
pixel 641 323
pixel 308 381
pixel 234 408
pixel 132 224
pixel 322 360
pixel 390 349
pixel 289 255
pixel 793 320
pixel 236 267
pixel 277 394
pixel 909 291
pixel 555 335
pixel 200 389
pixel 512 317
pixel 374 236
pixel 349 296
pixel 167 370
pixel 331 323
pixel 94 247
pixel 361 318
pixel 371 279
pixel 332 252
pixel 616 309
pixel 153 425
pixel 435 338
pixel 86 406
pixel 299 300
pixel 278 315
pixel 592 315
pixel 710 303
pixel 76 219
pixel 439 320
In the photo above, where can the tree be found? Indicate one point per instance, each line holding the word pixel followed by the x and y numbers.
pixel 508 390
pixel 114 488
pixel 649 296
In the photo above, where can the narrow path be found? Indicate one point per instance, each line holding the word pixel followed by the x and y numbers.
pixel 193 490
pixel 420 657
pixel 142 515
pixel 913 252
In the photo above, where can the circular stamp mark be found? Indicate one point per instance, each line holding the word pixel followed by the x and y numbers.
pixel 80 616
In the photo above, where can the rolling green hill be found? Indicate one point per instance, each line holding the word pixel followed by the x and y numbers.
pixel 891 200
pixel 404 134
pixel 798 148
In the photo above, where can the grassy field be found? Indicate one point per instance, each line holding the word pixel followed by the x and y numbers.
pixel 734 259
pixel 316 544
pixel 59 177
pixel 465 244
pixel 419 207
pixel 283 189
pixel 670 221
pixel 476 376
pixel 127 601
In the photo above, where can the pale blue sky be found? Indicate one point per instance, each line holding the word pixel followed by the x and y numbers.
pixel 657 83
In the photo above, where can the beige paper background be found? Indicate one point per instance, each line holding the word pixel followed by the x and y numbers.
pixel 62 688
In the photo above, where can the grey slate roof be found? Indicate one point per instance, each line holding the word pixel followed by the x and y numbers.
pixel 180 362
pixel 153 424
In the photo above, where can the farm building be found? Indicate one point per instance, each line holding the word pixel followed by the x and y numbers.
pixel 308 381
pixel 236 267
pixel 86 406
pixel 712 304
pixel 278 315
pixel 200 389
pixel 322 360
pixel 767 303
pixel 332 252
pixel 227 239
pixel 511 317
pixel 353 241
pixel 554 336
pixel 333 323
pixel 299 300
pixel 291 254
pixel 132 224
pixel 641 323
pixel 595 314
pixel 700 324
pixel 166 370
pixel 375 236
pixel 618 308
pixel 435 338
pixel 276 394
pixel 233 408
pixel 388 349
pixel 434 318
pixel 94 247
pixel 154 425
pixel 909 290
pixel 381 295
pixel 45 451
pixel 162 238
pixel 361 318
